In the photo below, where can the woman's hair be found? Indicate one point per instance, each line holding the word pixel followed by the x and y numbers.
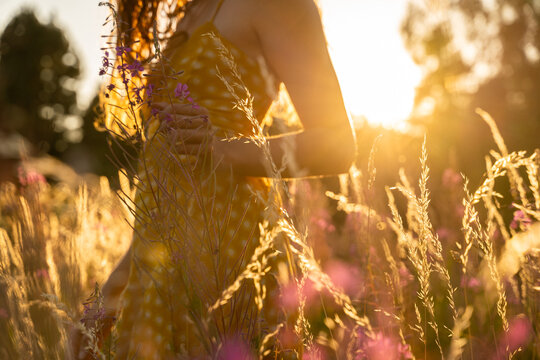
pixel 137 20
pixel 141 27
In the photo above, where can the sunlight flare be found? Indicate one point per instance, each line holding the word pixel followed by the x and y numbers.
pixel 377 76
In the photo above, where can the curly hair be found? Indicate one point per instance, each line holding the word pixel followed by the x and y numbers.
pixel 143 26
pixel 140 20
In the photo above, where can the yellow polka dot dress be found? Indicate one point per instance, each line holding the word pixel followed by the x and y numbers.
pixel 195 228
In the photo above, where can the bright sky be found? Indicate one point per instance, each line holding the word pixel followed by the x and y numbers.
pixel 377 76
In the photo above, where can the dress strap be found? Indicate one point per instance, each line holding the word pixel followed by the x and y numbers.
pixel 217 9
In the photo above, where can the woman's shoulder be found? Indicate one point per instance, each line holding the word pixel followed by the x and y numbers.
pixel 276 9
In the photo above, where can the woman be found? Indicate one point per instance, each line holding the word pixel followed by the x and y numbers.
pixel 174 275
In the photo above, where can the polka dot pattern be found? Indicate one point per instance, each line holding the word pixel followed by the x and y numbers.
pixel 191 241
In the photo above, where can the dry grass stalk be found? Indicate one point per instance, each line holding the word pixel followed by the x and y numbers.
pixel 515 179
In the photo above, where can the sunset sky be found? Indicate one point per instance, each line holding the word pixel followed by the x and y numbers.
pixel 377 76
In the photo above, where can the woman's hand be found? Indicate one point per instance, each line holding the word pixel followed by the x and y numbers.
pixel 188 127
pixel 84 347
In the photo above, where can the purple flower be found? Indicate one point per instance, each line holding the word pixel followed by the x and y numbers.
pixel 182 91
pixel 150 91
pixel 137 93
pixel 135 68
pixel 121 50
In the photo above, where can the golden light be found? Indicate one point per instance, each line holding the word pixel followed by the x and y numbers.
pixel 377 76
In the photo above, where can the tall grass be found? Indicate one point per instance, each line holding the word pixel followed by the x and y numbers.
pixel 57 242
pixel 390 281
pixel 468 294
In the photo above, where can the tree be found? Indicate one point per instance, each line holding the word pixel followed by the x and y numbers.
pixel 474 54
pixel 38 74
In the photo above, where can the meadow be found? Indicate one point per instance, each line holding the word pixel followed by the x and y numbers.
pixel 378 277
pixel 368 269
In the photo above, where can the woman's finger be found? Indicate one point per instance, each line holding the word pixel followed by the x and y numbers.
pixel 192 136
pixel 193 149
pixel 187 122
pixel 180 109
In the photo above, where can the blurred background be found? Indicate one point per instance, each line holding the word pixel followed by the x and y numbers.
pixel 406 68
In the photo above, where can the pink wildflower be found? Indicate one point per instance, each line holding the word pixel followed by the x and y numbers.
pixel 470 282
pixel 460 210
pixel 181 91
pixel 324 224
pixel 450 178
pixel 345 277
pixel 519 332
pixel 381 348
pixel 518 335
pixel 443 233
pixel 235 349
pixel 405 275
pixel 42 273
pixel 520 219
pixel 30 177
pixel 314 352
pixel 291 294
pixel 404 351
pixel 288 338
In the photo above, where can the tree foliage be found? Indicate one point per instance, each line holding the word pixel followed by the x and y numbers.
pixel 475 53
pixel 38 74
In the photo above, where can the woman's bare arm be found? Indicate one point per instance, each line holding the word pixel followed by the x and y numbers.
pixel 293 43
pixel 116 283
pixel 111 291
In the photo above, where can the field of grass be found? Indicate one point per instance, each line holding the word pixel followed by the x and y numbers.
pixel 381 274
pixel 368 269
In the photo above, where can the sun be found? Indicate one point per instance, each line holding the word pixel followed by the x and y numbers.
pixel 376 74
